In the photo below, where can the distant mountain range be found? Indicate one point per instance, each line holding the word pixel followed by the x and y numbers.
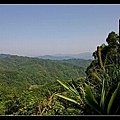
pixel 85 55
pixel 4 55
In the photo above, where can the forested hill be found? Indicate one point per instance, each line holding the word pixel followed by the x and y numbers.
pixel 19 71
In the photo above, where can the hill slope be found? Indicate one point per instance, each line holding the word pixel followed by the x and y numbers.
pixel 19 71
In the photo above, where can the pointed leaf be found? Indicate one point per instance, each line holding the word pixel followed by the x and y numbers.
pixel 69 99
pixel 112 98
pixel 74 83
pixel 102 101
pixel 89 93
pixel 93 105
pixel 65 86
pixel 73 91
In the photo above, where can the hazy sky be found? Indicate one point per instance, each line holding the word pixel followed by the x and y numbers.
pixel 39 29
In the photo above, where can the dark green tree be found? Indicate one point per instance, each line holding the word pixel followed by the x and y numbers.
pixel 106 61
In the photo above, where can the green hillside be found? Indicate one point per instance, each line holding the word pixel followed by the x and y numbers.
pixel 21 72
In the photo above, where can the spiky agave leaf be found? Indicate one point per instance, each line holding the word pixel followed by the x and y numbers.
pixel 64 85
pixel 91 101
pixel 71 89
pixel 67 98
pixel 112 98
pixel 89 93
pixel 103 93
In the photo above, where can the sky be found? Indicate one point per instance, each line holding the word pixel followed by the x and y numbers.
pixel 48 29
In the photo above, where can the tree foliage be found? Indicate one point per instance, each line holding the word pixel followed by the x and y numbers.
pixel 100 92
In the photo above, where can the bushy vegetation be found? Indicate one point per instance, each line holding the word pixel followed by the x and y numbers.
pixel 27 84
pixel 23 72
pixel 100 92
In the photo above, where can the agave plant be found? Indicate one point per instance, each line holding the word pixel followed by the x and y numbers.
pixel 75 90
pixel 100 107
pixel 85 95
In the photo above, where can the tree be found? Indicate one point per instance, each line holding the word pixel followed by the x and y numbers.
pixel 101 89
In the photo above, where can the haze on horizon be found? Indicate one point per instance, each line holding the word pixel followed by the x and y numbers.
pixel 34 30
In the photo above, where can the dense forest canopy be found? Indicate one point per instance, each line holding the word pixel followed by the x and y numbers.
pixel 22 71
